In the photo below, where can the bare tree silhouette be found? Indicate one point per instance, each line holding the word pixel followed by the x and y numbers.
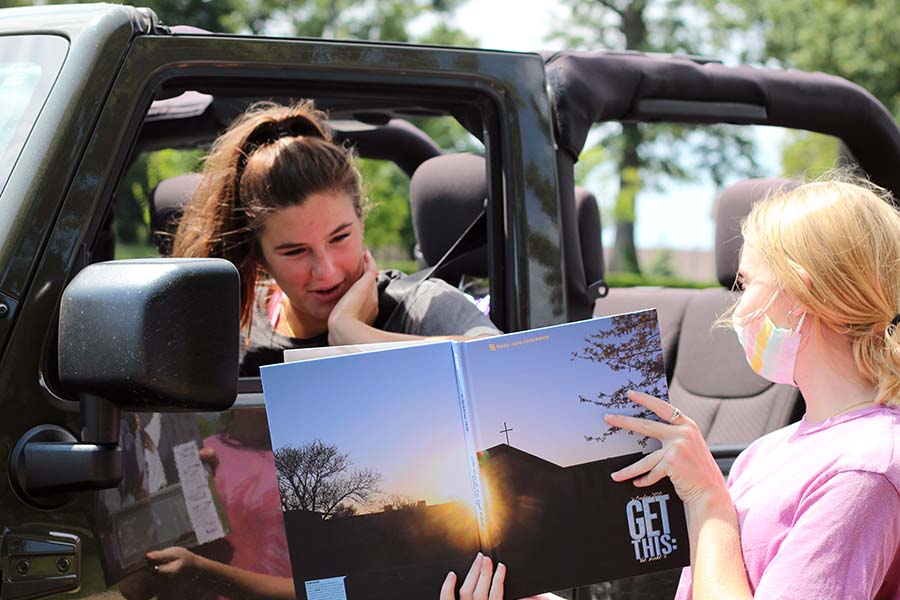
pixel 316 477
pixel 631 344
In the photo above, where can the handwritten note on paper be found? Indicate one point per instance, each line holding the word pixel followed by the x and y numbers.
pixel 195 486
pixel 332 588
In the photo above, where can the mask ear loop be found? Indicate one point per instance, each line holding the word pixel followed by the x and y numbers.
pixel 796 329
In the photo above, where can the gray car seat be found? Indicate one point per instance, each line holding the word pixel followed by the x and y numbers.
pixel 167 202
pixel 709 376
pixel 448 192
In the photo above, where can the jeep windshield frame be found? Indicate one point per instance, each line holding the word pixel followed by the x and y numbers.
pixel 29 67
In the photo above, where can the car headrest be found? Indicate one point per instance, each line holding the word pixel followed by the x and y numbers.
pixel 732 206
pixel 167 202
pixel 446 195
pixel 589 229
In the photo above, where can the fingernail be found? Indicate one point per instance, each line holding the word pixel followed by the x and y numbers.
pixel 479 555
pixel 608 418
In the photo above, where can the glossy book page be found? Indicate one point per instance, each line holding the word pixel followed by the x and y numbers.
pixel 545 455
pixel 372 471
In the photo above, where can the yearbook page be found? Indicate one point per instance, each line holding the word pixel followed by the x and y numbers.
pixel 372 470
pixel 545 455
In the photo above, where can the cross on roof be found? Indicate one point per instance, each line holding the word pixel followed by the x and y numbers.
pixel 506 431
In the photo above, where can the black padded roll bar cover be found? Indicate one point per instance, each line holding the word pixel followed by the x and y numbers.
pixel 399 141
pixel 589 87
pixel 152 334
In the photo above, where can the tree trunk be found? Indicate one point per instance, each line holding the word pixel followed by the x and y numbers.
pixel 625 256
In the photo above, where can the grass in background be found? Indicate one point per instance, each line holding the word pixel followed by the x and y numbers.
pixel 622 279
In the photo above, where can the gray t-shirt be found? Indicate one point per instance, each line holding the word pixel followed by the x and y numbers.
pixel 433 308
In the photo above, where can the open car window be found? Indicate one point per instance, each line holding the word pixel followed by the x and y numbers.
pixel 164 172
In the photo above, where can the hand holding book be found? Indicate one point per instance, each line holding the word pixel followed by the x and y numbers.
pixel 684 456
pixel 480 584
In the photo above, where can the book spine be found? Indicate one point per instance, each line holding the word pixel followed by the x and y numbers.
pixel 468 423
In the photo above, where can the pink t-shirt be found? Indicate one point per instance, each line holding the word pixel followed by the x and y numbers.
pixel 819 509
pixel 246 483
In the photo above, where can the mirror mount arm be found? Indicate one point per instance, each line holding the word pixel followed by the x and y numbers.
pixel 100 421
pixel 49 466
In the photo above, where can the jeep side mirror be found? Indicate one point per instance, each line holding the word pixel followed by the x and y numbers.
pixel 153 335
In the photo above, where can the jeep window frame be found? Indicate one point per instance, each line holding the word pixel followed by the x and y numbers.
pixel 501 84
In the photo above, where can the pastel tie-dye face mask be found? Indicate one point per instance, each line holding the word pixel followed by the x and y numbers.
pixel 771 350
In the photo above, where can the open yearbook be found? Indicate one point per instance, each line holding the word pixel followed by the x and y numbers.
pixel 397 465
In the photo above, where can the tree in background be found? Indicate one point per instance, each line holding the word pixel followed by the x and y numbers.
pixel 855 39
pixel 630 345
pixel 645 154
pixel 316 477
pixel 133 216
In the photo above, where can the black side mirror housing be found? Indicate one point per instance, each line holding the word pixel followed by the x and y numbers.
pixel 156 335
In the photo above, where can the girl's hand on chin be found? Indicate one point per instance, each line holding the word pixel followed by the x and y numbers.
pixel 358 304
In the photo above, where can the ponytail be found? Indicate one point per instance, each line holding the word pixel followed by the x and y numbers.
pixel 271 157
pixel 877 355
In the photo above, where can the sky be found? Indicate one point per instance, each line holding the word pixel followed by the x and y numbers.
pixel 681 216
pixel 373 408
pixel 533 389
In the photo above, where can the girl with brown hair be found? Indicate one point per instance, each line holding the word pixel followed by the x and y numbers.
pixel 286 204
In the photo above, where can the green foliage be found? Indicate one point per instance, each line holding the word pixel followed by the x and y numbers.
pixel 449 135
pixel 645 156
pixel 589 163
pixel 807 155
pixel 388 223
pixel 132 223
pixel 855 39
pixel 616 279
pixel 408 266
pixel 661 266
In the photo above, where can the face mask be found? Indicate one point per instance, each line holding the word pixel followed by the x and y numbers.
pixel 771 350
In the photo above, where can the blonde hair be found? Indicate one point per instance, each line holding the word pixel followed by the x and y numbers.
pixel 844 232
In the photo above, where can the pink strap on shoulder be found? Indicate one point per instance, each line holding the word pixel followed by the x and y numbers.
pixel 273 307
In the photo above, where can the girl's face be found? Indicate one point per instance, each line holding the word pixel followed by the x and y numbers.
pixel 760 293
pixel 314 251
